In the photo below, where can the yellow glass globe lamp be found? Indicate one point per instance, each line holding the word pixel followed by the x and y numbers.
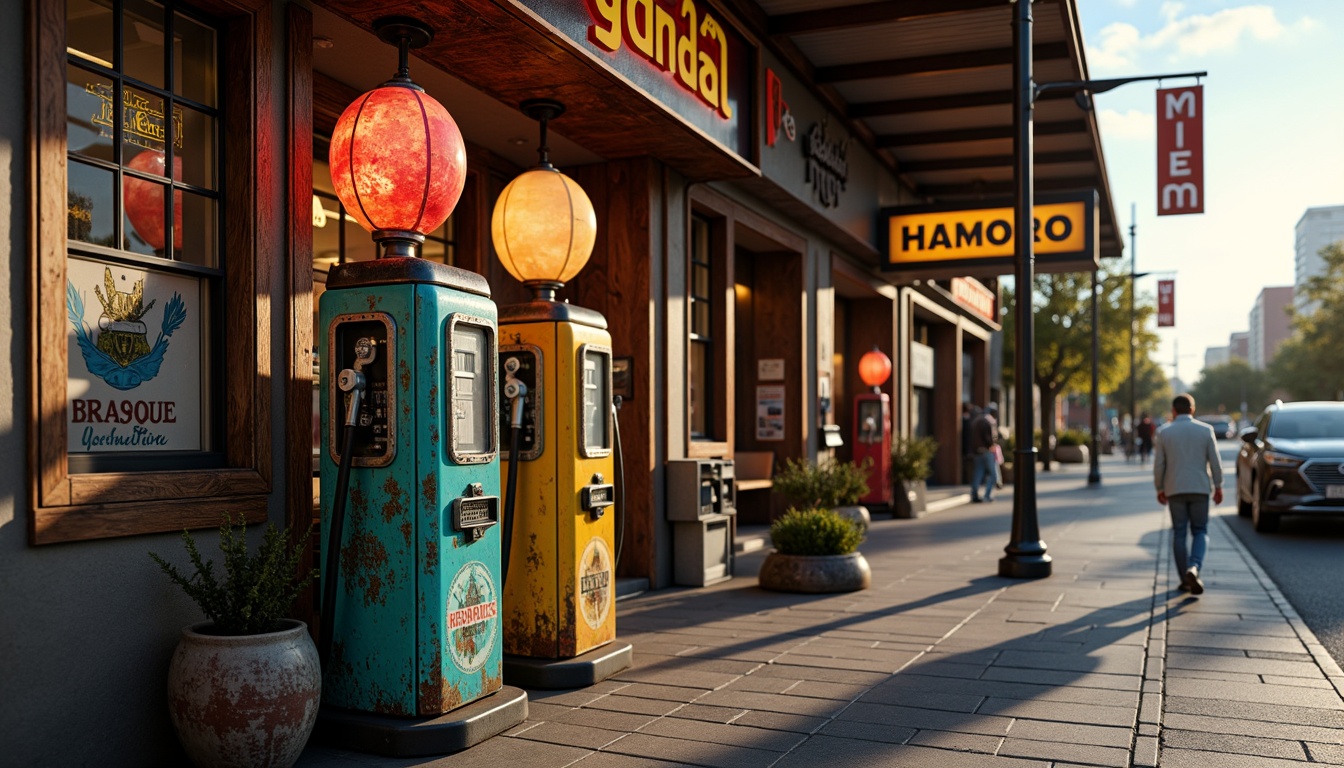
pixel 543 225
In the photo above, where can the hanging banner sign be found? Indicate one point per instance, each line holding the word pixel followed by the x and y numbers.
pixel 1166 303
pixel 944 241
pixel 1180 150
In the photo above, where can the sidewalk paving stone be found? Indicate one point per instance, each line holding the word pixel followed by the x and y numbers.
pixel 942 664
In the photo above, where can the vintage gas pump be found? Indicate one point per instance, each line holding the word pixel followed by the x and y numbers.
pixel 872 426
pixel 410 642
pixel 559 599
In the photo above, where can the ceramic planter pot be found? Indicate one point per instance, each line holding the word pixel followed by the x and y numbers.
pixel 1072 454
pixel 815 573
pixel 909 501
pixel 245 701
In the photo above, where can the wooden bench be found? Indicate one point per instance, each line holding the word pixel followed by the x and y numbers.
pixel 754 471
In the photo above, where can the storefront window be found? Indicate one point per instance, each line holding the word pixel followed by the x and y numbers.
pixel 701 336
pixel 144 270
pixel 151 257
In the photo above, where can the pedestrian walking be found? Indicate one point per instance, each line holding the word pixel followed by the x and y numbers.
pixel 1185 458
pixel 969 412
pixel 984 436
pixel 1144 435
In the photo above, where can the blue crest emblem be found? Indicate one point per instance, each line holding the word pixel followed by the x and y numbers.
pixel 120 354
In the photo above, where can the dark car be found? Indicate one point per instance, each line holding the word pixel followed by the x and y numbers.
pixel 1292 462
pixel 1223 429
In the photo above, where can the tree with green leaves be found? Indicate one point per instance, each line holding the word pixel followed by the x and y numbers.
pixel 1062 310
pixel 1308 365
pixel 1223 388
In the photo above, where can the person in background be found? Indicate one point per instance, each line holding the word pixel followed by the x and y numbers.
pixel 984 436
pixel 1144 437
pixel 1184 460
pixel 969 412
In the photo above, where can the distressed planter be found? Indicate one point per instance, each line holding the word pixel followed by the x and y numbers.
pixel 815 573
pixel 246 701
pixel 858 514
pixel 1071 454
pixel 909 498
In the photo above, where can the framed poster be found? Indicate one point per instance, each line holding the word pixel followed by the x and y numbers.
pixel 770 412
pixel 135 377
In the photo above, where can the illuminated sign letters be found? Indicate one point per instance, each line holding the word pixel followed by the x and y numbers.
pixel 681 38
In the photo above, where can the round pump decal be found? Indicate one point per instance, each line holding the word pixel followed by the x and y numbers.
pixel 473 616
pixel 595 582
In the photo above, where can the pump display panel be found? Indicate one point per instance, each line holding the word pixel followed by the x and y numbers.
pixel 595 401
pixel 473 410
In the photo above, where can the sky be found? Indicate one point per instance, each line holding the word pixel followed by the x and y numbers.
pixel 1273 147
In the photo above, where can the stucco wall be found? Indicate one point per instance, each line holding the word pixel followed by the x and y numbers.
pixel 86 629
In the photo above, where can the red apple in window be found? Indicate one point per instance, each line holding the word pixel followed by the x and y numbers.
pixel 144 199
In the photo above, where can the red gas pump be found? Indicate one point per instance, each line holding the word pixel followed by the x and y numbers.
pixel 872 426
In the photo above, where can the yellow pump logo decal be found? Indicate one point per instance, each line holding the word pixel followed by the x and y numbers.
pixel 595 583
pixel 472 616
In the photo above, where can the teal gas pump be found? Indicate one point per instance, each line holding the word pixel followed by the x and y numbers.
pixel 411 639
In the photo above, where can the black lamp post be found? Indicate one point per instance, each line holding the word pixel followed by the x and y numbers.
pixel 1025 555
pixel 1094 460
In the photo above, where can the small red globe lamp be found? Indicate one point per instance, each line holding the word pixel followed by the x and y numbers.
pixel 872 426
pixel 874 368
pixel 543 225
pixel 397 158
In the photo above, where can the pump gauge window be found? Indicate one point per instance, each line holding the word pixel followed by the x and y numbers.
pixel 595 401
pixel 472 408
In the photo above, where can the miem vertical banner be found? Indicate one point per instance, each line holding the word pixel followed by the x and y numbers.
pixel 1180 150
pixel 1166 303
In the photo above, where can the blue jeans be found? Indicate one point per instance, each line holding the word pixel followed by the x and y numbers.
pixel 1189 511
pixel 986 474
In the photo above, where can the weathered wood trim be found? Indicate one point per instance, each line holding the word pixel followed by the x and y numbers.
pixel 103 521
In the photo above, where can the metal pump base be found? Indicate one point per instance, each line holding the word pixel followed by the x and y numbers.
pixel 579 672
pixel 444 734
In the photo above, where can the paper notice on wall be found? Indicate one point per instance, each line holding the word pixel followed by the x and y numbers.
pixel 770 412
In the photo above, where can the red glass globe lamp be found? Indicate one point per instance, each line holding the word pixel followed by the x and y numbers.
pixel 874 369
pixel 543 225
pixel 397 158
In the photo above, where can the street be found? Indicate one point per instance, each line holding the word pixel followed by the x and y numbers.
pixel 1302 558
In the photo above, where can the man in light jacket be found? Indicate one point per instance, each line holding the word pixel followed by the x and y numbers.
pixel 1185 456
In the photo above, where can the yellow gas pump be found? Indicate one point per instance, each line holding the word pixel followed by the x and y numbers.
pixel 560 522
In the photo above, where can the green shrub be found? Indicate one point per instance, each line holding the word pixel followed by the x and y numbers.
pixel 824 486
pixel 912 458
pixel 815 532
pixel 1071 437
pixel 256 592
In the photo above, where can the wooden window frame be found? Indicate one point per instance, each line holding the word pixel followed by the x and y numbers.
pixel 73 507
pixel 718 211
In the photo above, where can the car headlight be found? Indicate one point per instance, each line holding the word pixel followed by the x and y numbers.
pixel 1276 459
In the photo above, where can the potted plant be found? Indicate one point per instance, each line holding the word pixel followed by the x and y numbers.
pixel 830 484
pixel 244 686
pixel 1071 447
pixel 911 465
pixel 816 551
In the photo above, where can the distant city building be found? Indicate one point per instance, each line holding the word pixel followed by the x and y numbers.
pixel 1317 228
pixel 1239 346
pixel 1216 356
pixel 1270 324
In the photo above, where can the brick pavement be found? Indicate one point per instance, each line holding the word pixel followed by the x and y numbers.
pixel 944 664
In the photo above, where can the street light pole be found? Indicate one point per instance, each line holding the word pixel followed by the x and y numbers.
pixel 1133 321
pixel 1025 556
pixel 1094 469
